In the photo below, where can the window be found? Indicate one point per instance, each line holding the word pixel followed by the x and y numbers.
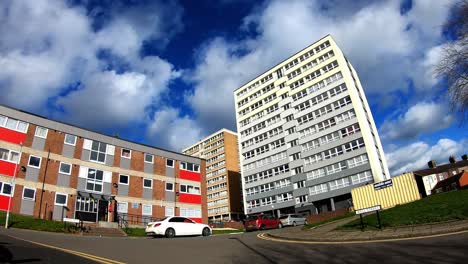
pixel 123 179
pixel 147 209
pixel 29 194
pixel 189 166
pixel 6 188
pixel 169 211
pixel 147 183
pixel 70 139
pixel 169 186
pixel 9 155
pixel 320 188
pixel 61 199
pixel 149 158
pixel 98 152
pixel 13 124
pixel 94 180
pixel 122 207
pixel 34 161
pixel 301 199
pixel 298 185
pixel 41 132
pixel 338 184
pixel 65 168
pixel 170 163
pixel 126 153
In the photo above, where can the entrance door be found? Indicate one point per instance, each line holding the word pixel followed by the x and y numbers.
pixel 103 210
pixel 86 209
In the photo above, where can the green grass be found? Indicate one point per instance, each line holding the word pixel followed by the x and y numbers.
pixel 220 232
pixel 308 226
pixel 135 232
pixel 435 208
pixel 29 222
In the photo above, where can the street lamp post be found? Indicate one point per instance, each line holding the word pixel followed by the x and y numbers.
pixel 12 192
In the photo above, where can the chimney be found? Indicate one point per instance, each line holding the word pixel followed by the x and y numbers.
pixel 452 159
pixel 432 164
pixel 465 157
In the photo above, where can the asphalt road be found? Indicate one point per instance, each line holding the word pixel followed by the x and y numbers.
pixel 244 248
pixel 18 251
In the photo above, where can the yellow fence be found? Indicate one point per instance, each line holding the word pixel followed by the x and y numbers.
pixel 403 190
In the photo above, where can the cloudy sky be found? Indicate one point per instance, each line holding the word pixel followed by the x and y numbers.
pixel 163 72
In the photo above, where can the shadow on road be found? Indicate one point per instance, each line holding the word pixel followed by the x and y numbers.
pixel 254 250
pixel 7 257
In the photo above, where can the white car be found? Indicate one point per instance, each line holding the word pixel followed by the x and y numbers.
pixel 292 220
pixel 177 226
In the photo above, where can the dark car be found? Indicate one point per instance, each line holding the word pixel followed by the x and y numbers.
pixel 260 222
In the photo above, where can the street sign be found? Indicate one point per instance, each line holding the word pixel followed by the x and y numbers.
pixel 383 184
pixel 369 209
pixel 375 209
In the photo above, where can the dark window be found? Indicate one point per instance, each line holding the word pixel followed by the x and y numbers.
pixel 170 163
pixel 148 183
pixel 29 193
pixel 34 161
pixel 123 179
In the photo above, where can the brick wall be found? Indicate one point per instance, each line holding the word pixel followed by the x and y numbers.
pixel 54 141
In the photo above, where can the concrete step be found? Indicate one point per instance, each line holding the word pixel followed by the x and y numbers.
pixel 102 231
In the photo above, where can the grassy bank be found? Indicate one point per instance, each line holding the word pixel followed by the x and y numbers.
pixel 28 222
pixel 435 208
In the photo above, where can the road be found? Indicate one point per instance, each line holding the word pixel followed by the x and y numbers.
pixel 244 248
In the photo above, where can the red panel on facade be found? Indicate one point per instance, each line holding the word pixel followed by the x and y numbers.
pixel 198 220
pixel 12 136
pixel 7 168
pixel 4 200
pixel 190 198
pixel 189 175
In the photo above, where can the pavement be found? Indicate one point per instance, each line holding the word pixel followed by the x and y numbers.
pixel 328 232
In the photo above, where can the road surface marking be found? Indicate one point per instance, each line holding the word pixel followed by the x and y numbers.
pixel 77 253
pixel 265 237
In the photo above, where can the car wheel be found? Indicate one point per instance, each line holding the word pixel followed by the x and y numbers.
pixel 294 223
pixel 170 233
pixel 206 231
pixel 280 225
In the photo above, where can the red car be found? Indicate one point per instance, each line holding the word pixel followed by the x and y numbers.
pixel 260 222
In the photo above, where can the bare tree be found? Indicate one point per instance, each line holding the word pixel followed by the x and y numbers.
pixel 453 65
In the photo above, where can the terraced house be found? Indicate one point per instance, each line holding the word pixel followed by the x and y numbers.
pixel 76 173
pixel 306 134
pixel 221 152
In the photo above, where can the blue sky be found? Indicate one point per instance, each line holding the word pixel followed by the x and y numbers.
pixel 163 72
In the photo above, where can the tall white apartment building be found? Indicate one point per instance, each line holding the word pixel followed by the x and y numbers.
pixel 306 134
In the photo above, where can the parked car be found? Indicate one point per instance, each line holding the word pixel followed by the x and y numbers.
pixel 292 220
pixel 260 222
pixel 177 226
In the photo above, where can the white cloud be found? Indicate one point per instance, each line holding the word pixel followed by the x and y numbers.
pixel 424 117
pixel 382 43
pixel 47 46
pixel 416 155
pixel 173 131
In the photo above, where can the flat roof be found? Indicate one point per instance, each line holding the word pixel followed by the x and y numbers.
pixel 103 137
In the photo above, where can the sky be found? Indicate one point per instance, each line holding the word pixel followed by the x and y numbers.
pixel 163 72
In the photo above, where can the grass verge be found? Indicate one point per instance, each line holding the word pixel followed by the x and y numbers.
pixel 29 222
pixel 435 208
pixel 308 226
pixel 221 232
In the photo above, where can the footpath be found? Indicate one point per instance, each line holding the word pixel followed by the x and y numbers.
pixel 328 233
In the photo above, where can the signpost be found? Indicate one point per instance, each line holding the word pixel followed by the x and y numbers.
pixel 383 184
pixel 375 208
